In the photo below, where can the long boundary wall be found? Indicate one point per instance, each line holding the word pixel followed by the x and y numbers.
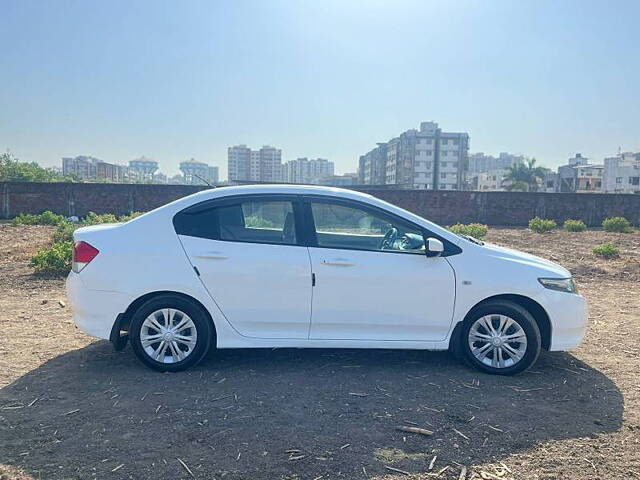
pixel 445 207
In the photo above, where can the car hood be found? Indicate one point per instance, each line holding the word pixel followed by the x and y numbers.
pixel 547 267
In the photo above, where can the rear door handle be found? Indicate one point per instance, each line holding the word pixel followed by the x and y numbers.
pixel 213 255
pixel 338 262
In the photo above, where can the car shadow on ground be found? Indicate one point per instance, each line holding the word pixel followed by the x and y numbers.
pixel 289 413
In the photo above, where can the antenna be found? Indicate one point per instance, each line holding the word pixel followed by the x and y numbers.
pixel 199 177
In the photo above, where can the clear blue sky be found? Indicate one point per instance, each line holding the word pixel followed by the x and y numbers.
pixel 179 79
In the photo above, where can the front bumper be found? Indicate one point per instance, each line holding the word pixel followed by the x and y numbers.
pixel 568 314
pixel 94 311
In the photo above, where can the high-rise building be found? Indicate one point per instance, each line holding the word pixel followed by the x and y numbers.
pixel 307 171
pixel 246 165
pixel 424 159
pixel 622 173
pixel 198 173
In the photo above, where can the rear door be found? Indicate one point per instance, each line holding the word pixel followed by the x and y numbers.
pixel 249 253
pixel 373 278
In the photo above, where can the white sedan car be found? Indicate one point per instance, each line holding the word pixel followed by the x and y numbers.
pixel 314 267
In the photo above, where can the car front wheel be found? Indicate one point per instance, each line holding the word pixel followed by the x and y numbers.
pixel 170 333
pixel 500 337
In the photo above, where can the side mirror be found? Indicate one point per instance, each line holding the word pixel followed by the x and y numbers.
pixel 433 247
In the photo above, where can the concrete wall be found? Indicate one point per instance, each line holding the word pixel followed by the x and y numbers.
pixel 444 207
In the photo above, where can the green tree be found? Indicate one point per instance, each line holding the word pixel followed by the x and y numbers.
pixel 13 170
pixel 526 176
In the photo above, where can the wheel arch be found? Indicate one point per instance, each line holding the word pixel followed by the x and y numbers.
pixel 536 310
pixel 124 319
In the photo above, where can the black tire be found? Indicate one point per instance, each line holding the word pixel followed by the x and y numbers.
pixel 200 318
pixel 515 312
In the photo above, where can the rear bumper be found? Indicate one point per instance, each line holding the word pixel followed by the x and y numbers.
pixel 568 314
pixel 94 311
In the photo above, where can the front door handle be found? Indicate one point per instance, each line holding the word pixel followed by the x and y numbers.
pixel 338 262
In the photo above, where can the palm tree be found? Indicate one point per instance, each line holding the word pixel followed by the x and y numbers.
pixel 525 176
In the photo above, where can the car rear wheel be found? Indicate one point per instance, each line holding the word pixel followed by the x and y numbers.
pixel 500 337
pixel 170 333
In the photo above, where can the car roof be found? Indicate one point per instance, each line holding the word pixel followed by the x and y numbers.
pixel 281 189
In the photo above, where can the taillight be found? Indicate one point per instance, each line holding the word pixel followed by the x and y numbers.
pixel 83 253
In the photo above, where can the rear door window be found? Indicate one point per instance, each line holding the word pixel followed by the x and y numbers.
pixel 258 222
pixel 245 221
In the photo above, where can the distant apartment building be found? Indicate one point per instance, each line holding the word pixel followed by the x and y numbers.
pixel 550 182
pixel 90 168
pixel 489 173
pixel 198 173
pixel 482 163
pixel 579 176
pixel 490 181
pixel 622 173
pixel 423 159
pixel 344 180
pixel 246 165
pixel 307 171
pixel 372 166
pixel 145 168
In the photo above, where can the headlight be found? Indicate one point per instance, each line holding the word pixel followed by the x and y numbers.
pixel 559 284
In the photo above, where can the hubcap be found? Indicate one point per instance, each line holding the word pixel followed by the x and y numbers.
pixel 168 335
pixel 497 341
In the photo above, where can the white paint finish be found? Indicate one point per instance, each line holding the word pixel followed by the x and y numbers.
pixel 264 291
pixel 145 256
pixel 363 295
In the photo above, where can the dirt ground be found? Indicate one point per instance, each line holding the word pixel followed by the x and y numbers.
pixel 73 408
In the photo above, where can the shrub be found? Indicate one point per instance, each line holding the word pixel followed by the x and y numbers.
pixel 25 219
pixel 94 219
pixel 574 226
pixel 617 224
pixel 45 218
pixel 64 232
pixel 606 250
pixel 476 230
pixel 131 216
pixel 56 259
pixel 541 225
pixel 50 218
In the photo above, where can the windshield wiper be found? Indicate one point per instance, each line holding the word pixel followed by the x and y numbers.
pixel 471 239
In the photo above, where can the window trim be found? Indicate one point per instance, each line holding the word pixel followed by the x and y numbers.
pixel 450 248
pixel 211 204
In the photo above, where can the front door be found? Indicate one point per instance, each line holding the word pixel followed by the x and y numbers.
pixel 251 263
pixel 373 279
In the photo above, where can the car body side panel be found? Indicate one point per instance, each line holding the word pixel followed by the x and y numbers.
pixel 263 290
pixel 487 272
